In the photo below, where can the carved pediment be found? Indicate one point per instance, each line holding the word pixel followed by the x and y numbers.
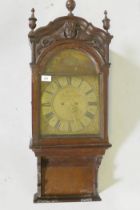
pixel 66 28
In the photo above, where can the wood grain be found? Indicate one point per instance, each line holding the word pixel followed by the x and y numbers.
pixel 68 165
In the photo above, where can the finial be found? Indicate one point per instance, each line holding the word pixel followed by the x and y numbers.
pixel 70 4
pixel 32 20
pixel 106 22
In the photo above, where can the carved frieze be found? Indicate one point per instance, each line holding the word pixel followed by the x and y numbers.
pixel 69 27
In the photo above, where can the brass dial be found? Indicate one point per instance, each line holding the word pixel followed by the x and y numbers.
pixel 70 105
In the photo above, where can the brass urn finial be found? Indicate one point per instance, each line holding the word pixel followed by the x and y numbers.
pixel 70 4
pixel 106 22
pixel 32 20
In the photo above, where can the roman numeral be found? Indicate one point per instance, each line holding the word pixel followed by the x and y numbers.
pixel 80 83
pixel 46 104
pixel 69 127
pixel 90 103
pixel 58 124
pixel 49 115
pixel 69 80
pixel 58 84
pixel 83 126
pixel 47 91
pixel 89 115
pixel 88 92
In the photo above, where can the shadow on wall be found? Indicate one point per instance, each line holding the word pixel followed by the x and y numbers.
pixel 124 106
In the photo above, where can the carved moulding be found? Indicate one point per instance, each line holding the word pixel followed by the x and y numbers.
pixel 66 28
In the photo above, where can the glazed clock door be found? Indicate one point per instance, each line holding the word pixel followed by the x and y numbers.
pixel 70 98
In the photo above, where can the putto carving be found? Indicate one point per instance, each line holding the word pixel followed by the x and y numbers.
pixel 70 30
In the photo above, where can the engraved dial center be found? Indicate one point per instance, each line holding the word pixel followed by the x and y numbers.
pixel 69 104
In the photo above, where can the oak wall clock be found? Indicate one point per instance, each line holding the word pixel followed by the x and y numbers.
pixel 70 67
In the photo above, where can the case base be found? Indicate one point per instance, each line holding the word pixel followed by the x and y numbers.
pixel 58 199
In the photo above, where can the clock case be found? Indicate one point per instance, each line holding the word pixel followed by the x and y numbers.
pixel 68 165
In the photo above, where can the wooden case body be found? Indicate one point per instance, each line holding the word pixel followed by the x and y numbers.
pixel 68 165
